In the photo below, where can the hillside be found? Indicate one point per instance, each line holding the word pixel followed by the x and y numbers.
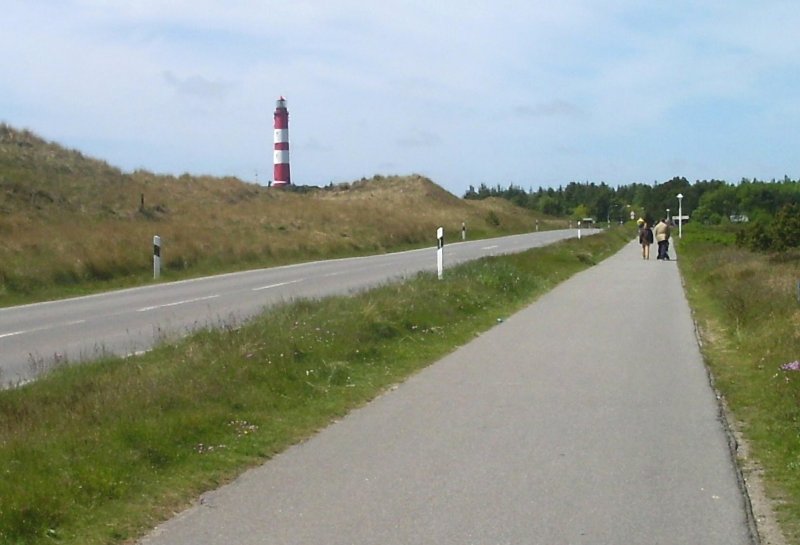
pixel 67 219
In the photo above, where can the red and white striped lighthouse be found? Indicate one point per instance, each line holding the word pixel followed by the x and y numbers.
pixel 281 154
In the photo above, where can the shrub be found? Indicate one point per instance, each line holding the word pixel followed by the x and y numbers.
pixel 757 236
pixel 785 229
pixel 776 235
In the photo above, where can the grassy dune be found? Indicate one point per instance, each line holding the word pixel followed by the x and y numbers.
pixel 71 224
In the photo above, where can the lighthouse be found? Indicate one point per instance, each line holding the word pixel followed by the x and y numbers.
pixel 281 152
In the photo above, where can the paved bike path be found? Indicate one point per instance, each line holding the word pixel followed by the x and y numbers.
pixel 586 418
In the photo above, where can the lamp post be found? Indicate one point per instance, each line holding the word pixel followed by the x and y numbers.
pixel 680 215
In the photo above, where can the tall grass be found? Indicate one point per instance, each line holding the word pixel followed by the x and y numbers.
pixel 98 453
pixel 749 317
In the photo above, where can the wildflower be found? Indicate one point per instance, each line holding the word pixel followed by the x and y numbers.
pixel 791 366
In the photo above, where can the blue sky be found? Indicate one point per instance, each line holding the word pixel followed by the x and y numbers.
pixel 532 93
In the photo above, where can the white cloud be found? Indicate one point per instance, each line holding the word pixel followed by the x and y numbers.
pixel 552 108
pixel 419 139
pixel 197 86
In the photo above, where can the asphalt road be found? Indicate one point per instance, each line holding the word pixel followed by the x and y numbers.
pixel 586 418
pixel 35 337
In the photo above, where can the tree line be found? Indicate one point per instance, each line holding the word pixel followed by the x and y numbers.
pixel 768 208
pixel 705 201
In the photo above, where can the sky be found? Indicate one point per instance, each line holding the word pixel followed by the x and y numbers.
pixel 466 92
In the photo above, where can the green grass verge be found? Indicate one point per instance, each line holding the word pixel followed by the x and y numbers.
pixel 99 453
pixel 749 318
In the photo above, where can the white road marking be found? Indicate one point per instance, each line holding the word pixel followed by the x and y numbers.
pixel 176 303
pixel 24 331
pixel 278 285
pixel 75 322
pixel 490 247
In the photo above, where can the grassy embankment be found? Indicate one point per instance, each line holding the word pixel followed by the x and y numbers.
pixel 71 225
pixel 98 453
pixel 748 314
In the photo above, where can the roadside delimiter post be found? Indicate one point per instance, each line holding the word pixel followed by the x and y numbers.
pixel 156 257
pixel 439 251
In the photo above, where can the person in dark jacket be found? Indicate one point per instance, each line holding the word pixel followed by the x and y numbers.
pixel 645 239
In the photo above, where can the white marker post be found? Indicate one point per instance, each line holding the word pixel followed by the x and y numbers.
pixel 156 257
pixel 440 251
pixel 579 229
pixel 463 231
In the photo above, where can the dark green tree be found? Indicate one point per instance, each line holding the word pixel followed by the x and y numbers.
pixel 785 229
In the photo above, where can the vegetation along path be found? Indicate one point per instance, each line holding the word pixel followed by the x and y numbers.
pixel 585 418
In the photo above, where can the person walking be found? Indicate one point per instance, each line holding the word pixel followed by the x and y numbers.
pixel 662 232
pixel 645 239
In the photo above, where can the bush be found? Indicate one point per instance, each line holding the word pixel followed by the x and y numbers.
pixel 705 216
pixel 777 235
pixel 757 237
pixel 786 228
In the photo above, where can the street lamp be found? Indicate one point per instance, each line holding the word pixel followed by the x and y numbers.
pixel 680 215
